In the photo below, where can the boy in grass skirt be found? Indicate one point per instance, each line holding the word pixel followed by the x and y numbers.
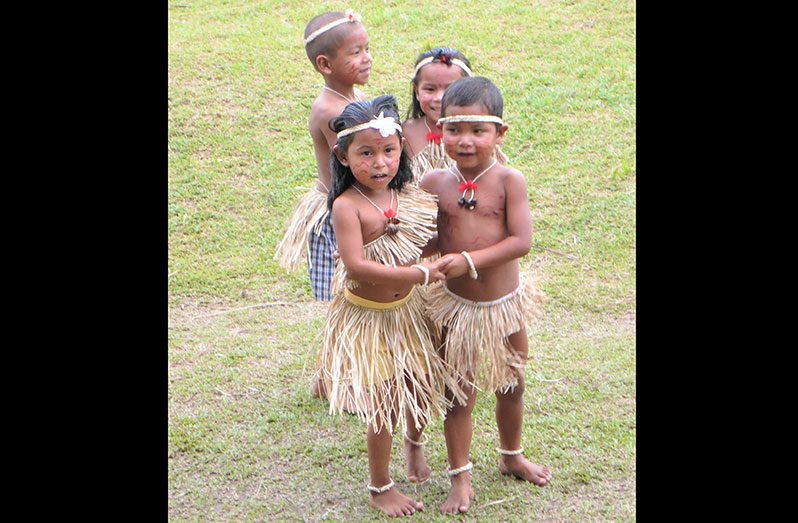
pixel 337 45
pixel 484 228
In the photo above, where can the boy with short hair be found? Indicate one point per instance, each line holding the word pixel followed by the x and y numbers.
pixel 485 227
pixel 337 45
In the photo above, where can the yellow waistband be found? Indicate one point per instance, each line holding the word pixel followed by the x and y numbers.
pixel 377 305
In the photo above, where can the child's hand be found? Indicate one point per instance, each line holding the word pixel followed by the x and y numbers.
pixel 456 267
pixel 436 269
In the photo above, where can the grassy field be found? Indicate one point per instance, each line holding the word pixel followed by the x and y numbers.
pixel 246 439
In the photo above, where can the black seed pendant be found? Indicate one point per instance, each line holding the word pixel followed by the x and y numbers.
pixel 392 227
pixel 471 205
pixel 461 202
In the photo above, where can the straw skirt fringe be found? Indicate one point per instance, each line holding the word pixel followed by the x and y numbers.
pixel 433 156
pixel 308 218
pixel 383 362
pixel 476 344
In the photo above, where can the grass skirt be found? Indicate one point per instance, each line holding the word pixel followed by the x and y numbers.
pixel 381 359
pixel 433 156
pixel 476 339
pixel 308 218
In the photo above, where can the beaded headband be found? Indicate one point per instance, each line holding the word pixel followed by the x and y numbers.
pixel 351 17
pixel 386 125
pixel 444 60
pixel 471 118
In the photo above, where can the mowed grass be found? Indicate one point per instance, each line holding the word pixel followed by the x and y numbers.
pixel 246 439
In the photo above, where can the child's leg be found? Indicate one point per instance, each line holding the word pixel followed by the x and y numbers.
pixel 392 502
pixel 509 415
pixel 458 430
pixel 417 469
pixel 317 389
pixel 321 267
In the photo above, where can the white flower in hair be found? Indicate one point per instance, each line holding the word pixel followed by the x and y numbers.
pixel 385 125
pixel 352 16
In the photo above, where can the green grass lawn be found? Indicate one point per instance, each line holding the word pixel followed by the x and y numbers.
pixel 246 439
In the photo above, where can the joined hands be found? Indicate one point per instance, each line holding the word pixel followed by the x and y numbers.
pixel 456 265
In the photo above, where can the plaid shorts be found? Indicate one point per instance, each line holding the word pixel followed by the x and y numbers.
pixel 321 266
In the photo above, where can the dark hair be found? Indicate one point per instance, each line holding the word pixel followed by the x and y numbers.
pixel 354 114
pixel 472 90
pixel 447 53
pixel 329 41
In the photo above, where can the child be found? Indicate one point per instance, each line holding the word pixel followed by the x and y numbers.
pixel 377 351
pixel 483 305
pixel 436 69
pixel 338 47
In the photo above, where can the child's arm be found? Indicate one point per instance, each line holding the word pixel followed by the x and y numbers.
pixel 323 139
pixel 346 225
pixel 519 229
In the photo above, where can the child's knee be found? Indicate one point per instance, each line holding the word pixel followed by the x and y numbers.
pixel 520 344
pixel 512 394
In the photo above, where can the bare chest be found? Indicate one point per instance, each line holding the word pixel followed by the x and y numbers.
pixel 460 226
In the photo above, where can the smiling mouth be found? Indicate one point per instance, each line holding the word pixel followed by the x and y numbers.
pixel 379 176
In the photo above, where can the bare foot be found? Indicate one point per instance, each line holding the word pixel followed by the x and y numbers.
pixel 522 468
pixel 417 469
pixel 317 389
pixel 394 503
pixel 460 496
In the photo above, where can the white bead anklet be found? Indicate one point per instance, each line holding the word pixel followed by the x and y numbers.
pixel 418 443
pixel 465 468
pixel 380 490
pixel 510 452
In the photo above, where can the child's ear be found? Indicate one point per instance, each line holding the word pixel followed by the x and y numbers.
pixel 341 155
pixel 402 143
pixel 439 125
pixel 500 134
pixel 323 64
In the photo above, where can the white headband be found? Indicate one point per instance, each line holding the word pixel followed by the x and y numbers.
pixel 471 118
pixel 350 17
pixel 443 59
pixel 386 125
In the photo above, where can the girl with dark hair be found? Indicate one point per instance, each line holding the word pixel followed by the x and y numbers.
pixel 435 70
pixel 378 353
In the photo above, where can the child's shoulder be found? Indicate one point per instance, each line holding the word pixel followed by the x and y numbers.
pixel 412 124
pixel 433 178
pixel 511 176
pixel 345 201
pixel 323 110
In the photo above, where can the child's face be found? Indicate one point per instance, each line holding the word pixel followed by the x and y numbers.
pixel 433 80
pixel 352 62
pixel 471 144
pixel 373 159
